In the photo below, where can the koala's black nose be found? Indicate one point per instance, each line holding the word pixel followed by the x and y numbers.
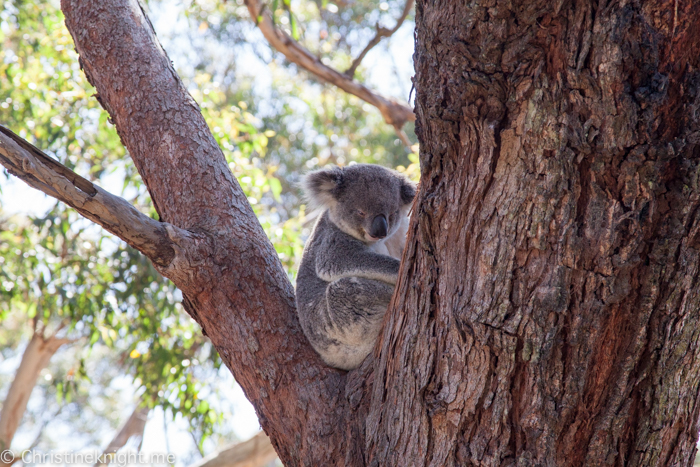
pixel 379 227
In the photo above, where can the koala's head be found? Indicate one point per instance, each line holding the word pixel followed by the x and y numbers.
pixel 365 201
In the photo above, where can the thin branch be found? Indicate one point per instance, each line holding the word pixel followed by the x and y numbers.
pixel 404 139
pixel 115 214
pixel 133 427
pixel 382 32
pixel 196 443
pixel 395 113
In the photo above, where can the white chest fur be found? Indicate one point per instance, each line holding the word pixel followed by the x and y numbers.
pixel 393 246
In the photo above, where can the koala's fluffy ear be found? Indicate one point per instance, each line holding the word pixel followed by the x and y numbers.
pixel 408 191
pixel 321 186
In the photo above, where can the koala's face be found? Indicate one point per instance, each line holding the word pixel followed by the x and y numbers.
pixel 365 201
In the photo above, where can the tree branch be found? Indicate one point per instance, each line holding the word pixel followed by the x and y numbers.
pixel 255 452
pixel 394 112
pixel 115 214
pixel 231 278
pixel 382 32
pixel 133 427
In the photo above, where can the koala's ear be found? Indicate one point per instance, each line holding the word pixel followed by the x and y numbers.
pixel 408 191
pixel 322 186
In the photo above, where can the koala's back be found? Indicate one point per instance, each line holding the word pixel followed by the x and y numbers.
pixel 311 289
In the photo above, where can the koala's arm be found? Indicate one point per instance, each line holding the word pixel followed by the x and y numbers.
pixel 341 259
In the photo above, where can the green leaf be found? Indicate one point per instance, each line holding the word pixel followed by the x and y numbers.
pixel 273 9
pixel 293 24
pixel 59 392
pixel 276 187
pixel 94 337
pixel 31 310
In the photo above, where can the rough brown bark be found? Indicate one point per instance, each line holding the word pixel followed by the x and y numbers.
pixel 549 315
pixel 232 281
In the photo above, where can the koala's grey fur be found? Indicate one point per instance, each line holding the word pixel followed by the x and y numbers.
pixel 347 276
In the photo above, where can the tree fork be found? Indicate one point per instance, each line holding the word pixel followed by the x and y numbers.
pixel 232 281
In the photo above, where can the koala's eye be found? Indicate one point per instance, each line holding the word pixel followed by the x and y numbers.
pixel 361 213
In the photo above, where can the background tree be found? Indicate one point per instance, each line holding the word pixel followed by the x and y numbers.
pixel 60 275
pixel 67 290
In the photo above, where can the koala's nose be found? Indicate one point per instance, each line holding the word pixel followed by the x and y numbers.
pixel 379 227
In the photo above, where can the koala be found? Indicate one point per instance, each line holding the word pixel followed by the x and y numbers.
pixel 350 263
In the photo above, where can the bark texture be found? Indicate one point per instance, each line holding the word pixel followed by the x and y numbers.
pixel 549 315
pixel 232 281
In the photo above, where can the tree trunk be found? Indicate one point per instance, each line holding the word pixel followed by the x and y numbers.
pixel 34 359
pixel 549 313
pixel 547 308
